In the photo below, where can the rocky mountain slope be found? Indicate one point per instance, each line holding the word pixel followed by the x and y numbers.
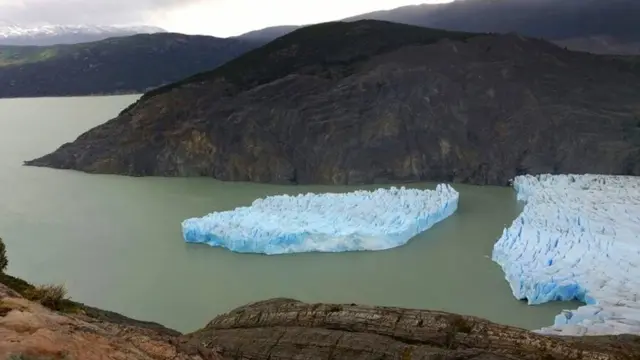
pixel 548 19
pixel 116 65
pixel 287 329
pixel 601 45
pixel 575 20
pixel 14 34
pixel 370 101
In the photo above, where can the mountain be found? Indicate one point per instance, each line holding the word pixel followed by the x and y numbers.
pixel 13 34
pixel 268 34
pixel 578 20
pixel 370 102
pixel 601 45
pixel 117 65
pixel 549 19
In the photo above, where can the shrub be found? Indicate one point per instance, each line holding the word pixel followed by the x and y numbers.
pixel 52 296
pixel 3 257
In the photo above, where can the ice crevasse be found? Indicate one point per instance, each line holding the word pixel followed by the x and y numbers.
pixel 578 237
pixel 326 222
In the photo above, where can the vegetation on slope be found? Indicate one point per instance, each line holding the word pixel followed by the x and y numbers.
pixel 129 64
pixel 52 296
pixel 327 49
pixel 55 297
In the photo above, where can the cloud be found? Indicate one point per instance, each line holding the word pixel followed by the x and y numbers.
pixel 99 12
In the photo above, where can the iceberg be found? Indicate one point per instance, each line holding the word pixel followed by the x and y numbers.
pixel 578 237
pixel 328 222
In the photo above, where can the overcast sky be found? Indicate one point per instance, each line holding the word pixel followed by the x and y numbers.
pixel 210 17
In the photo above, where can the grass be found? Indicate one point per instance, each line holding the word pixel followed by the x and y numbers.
pixel 17 55
pixel 3 257
pixel 53 297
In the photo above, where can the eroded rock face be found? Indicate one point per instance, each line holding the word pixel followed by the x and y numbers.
pixel 479 111
pixel 35 332
pixel 288 329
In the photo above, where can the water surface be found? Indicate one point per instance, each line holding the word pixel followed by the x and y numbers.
pixel 115 241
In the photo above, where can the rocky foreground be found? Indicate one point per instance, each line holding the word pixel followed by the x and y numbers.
pixel 373 102
pixel 286 329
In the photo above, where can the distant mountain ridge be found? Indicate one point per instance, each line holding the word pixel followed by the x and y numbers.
pixel 574 20
pixel 14 34
pixel 269 33
pixel 130 64
pixel 372 102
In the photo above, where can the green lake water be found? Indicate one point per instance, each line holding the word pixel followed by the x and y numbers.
pixel 116 243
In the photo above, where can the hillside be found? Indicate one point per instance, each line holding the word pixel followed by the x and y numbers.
pixel 286 329
pixel 601 45
pixel 268 34
pixel 575 20
pixel 370 102
pixel 116 65
pixel 549 19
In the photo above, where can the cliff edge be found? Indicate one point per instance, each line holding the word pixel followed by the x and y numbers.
pixel 287 329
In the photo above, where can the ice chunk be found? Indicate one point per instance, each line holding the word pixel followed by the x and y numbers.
pixel 578 237
pixel 359 220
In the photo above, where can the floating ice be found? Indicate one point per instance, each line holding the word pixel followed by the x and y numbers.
pixel 359 220
pixel 577 238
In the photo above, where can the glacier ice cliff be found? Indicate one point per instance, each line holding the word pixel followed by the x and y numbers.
pixel 328 222
pixel 578 237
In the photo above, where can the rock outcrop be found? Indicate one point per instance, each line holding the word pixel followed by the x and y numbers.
pixel 374 102
pixel 30 331
pixel 287 329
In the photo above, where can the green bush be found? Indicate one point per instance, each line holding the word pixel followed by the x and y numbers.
pixel 3 257
pixel 52 296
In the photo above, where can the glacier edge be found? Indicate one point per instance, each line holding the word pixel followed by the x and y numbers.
pixel 578 237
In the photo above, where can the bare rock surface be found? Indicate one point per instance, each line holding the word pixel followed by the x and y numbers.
pixel 286 329
pixel 30 331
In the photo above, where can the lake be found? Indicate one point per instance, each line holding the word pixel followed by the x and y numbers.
pixel 116 241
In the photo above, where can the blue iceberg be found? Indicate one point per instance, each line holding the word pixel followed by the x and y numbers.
pixel 355 221
pixel 578 237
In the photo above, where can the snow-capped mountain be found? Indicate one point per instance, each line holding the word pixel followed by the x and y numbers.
pixel 14 34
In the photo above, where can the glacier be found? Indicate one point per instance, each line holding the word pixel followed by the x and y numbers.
pixel 326 222
pixel 578 237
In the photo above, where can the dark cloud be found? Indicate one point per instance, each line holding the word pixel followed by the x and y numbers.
pixel 100 12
